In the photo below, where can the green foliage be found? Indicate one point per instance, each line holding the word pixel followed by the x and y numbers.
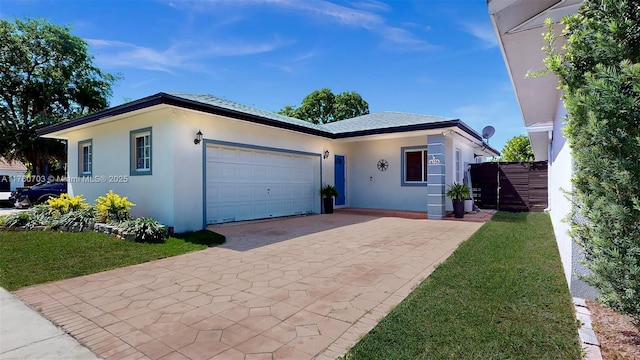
pixel 459 191
pixel 112 207
pixel 17 219
pixel 599 74
pixel 78 220
pixel 35 257
pixel 323 106
pixel 46 76
pixel 328 191
pixel 501 295
pixel 202 237
pixel 518 148
pixel 65 203
pixel 144 230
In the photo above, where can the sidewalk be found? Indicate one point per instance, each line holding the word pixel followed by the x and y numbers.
pixel 25 334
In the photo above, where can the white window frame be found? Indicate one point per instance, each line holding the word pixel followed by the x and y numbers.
pixel 147 160
pixel 85 144
pixel 424 154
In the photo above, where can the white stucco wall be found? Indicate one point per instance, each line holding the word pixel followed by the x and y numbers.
pixel 174 194
pixel 188 175
pixel 452 143
pixel 559 180
pixel 375 189
pixel 559 183
pixel 152 194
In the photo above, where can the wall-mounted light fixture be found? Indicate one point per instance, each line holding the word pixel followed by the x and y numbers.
pixel 198 138
pixel 326 154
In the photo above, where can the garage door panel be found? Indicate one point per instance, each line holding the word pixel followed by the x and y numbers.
pixel 245 184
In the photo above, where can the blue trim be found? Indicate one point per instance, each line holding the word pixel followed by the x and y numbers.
pixel 132 153
pixel 340 183
pixel 80 159
pixel 206 142
pixel 402 165
pixel 258 147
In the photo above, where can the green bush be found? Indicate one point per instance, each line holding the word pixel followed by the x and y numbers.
pixel 144 230
pixel 76 221
pixel 17 219
pixel 599 72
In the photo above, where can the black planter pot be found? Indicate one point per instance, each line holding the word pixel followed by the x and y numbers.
pixel 328 205
pixel 458 208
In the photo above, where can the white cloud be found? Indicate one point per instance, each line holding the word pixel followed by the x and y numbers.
pixel 181 55
pixel 483 32
pixel 295 63
pixel 361 16
pixel 371 5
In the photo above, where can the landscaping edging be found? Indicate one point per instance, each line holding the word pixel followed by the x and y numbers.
pixel 110 230
pixel 588 337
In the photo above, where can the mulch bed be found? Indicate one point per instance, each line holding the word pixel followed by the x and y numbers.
pixel 618 338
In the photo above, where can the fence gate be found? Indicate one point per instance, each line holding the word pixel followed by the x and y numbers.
pixel 510 186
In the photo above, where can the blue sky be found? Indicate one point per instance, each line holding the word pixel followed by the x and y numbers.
pixel 429 57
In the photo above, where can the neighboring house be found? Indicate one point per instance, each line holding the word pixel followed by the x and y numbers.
pixel 254 164
pixel 12 175
pixel 519 26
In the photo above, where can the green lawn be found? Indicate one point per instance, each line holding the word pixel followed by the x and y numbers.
pixel 35 257
pixel 501 295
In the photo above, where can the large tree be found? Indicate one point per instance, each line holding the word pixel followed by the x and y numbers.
pixel 323 106
pixel 518 148
pixel 599 73
pixel 46 76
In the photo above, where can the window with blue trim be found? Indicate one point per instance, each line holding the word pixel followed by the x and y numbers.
pixel 141 157
pixel 85 158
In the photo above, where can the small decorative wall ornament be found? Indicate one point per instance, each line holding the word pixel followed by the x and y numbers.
pixel 383 165
pixel 433 160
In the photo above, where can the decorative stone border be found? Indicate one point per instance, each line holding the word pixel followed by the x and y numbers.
pixel 590 343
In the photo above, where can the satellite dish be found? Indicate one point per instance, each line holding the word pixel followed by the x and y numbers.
pixel 488 132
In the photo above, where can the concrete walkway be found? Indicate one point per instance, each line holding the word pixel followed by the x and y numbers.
pixel 299 288
pixel 25 334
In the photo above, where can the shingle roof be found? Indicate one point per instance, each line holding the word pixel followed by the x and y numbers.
pixel 12 165
pixel 371 124
pixel 382 120
pixel 230 105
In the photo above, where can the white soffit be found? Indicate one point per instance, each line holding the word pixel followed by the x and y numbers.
pixel 555 13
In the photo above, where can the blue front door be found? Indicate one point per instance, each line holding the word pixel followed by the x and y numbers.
pixel 339 179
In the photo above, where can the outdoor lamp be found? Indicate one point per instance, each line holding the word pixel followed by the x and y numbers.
pixel 198 138
pixel 326 154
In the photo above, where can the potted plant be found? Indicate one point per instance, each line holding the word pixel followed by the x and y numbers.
pixel 328 192
pixel 458 193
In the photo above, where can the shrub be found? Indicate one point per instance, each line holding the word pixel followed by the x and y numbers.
pixel 76 221
pixel 144 230
pixel 40 216
pixel 113 207
pixel 65 203
pixel 16 219
pixel 599 73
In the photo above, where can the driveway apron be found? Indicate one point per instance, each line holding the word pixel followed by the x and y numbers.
pixel 298 288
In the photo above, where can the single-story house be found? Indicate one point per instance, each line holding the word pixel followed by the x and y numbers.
pixel 519 26
pixel 12 176
pixel 253 164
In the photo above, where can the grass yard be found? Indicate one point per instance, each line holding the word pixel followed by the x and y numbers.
pixel 501 295
pixel 35 257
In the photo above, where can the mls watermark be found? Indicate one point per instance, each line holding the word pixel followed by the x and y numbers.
pixel 110 179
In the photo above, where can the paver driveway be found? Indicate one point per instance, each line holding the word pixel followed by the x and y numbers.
pixel 299 288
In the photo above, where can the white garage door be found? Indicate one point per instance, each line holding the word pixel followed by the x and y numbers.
pixel 247 184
